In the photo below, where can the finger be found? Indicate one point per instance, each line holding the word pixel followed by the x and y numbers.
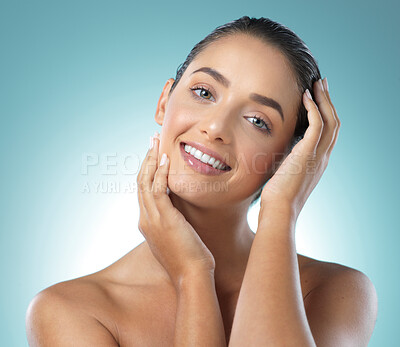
pixel 160 185
pixel 148 158
pixel 315 128
pixel 338 122
pixel 140 174
pixel 330 101
pixel 327 114
pixel 144 218
pixel 147 194
pixel 145 178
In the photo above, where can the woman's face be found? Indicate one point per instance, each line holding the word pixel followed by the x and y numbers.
pixel 217 111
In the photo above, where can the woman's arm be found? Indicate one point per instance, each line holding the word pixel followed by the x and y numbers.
pixel 270 309
pixel 198 318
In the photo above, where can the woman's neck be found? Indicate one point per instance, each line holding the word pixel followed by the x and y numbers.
pixel 226 233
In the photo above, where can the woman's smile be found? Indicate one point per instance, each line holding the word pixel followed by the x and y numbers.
pixel 203 160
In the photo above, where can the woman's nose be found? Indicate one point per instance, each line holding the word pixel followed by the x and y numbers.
pixel 218 126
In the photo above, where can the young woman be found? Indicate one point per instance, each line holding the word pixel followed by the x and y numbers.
pixel 247 117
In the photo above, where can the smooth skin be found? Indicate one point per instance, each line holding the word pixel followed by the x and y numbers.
pixel 202 278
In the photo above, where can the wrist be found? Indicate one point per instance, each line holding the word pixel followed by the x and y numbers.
pixel 275 207
pixel 194 279
pixel 280 212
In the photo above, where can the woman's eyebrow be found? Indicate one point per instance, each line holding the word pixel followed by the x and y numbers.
pixel 266 101
pixel 260 99
pixel 214 74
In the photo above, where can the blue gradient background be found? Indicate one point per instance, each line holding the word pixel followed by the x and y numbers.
pixel 84 77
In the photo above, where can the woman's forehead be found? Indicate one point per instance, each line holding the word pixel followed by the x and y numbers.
pixel 241 56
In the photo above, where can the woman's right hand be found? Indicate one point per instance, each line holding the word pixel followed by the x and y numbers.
pixel 172 240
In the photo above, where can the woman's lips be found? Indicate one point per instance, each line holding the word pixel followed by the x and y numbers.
pixel 207 151
pixel 197 165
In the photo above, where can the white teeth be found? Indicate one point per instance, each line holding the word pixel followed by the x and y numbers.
pixel 205 158
pixel 198 154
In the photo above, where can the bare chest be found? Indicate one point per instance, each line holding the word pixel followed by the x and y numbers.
pixel 152 321
pixel 147 316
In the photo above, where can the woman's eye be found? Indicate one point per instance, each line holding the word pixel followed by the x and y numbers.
pixel 260 123
pixel 204 93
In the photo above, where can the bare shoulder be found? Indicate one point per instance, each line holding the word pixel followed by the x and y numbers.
pixel 341 305
pixel 67 313
pixel 110 307
pixel 324 272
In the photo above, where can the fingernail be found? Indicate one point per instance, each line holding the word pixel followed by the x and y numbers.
pixel 151 142
pixel 326 84
pixel 163 159
pixel 320 84
pixel 308 94
pixel 156 134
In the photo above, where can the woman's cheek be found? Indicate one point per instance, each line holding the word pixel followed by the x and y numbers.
pixel 255 162
pixel 262 166
pixel 181 117
pixel 260 162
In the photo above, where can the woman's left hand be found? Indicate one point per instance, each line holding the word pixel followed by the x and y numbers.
pixel 301 170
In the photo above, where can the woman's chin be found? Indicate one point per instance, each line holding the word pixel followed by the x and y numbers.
pixel 205 194
pixel 202 194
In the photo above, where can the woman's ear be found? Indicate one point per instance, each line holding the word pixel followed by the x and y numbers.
pixel 163 101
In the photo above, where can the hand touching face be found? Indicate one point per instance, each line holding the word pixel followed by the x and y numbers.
pixel 172 240
pixel 300 172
